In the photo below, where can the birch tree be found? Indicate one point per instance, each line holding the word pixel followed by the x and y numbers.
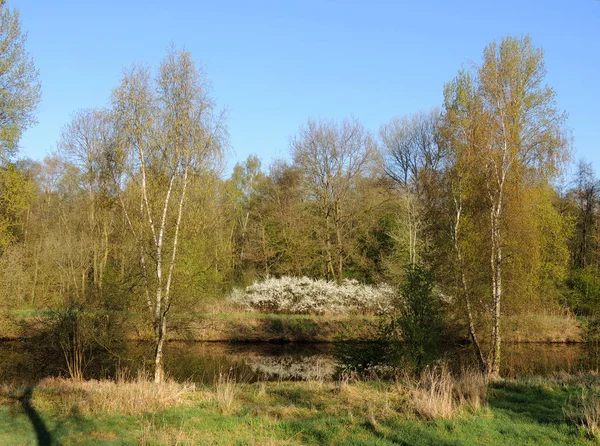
pixel 509 132
pixel 20 93
pixel 20 88
pixel 168 135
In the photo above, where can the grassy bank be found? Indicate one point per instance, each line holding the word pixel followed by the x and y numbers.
pixel 260 327
pixel 239 326
pixel 546 328
pixel 437 409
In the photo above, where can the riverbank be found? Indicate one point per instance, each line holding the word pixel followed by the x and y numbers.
pixel 437 409
pixel 260 327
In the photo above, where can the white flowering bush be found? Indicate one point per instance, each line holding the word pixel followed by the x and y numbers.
pixel 307 296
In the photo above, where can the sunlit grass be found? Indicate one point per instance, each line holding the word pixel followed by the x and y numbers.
pixel 326 412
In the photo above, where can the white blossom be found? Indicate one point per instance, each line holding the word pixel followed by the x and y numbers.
pixel 308 296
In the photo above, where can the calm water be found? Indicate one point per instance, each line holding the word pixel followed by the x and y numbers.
pixel 200 362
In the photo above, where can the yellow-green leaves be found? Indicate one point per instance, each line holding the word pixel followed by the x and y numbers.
pixel 19 84
pixel 16 192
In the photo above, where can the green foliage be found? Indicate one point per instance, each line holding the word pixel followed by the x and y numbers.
pixel 537 261
pixel 16 193
pixel 583 294
pixel 19 84
pixel 418 323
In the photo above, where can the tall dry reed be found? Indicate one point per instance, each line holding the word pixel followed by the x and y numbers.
pixel 225 391
pixel 584 411
pixel 437 393
pixel 127 396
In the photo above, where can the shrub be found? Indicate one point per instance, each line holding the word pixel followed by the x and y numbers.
pixel 417 323
pixel 308 296
pixel 583 292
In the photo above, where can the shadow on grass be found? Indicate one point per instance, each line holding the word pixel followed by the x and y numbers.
pixel 42 433
pixel 535 403
pixel 407 435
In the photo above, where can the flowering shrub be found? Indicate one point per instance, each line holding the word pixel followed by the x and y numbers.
pixel 308 296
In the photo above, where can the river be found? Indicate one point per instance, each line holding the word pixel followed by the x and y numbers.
pixel 201 362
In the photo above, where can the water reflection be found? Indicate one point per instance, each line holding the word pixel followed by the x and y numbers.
pixel 200 362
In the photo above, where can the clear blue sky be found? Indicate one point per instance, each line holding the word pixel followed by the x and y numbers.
pixel 274 64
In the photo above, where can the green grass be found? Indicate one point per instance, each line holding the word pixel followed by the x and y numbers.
pixel 367 413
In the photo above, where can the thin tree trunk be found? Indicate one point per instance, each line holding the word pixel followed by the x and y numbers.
pixel 35 280
pixel 158 353
pixel 412 230
pixel 329 256
pixel 340 245
pixel 265 250
pixel 496 262
pixel 162 306
pixel 104 257
pixel 244 225
pixel 496 201
pixel 465 290
pixel 160 322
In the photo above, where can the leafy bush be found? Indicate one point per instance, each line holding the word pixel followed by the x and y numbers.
pixel 308 296
pixel 417 321
pixel 583 295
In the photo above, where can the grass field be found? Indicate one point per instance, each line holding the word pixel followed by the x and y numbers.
pixel 438 410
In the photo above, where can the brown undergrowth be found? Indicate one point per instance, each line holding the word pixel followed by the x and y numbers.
pixel 437 393
pixel 126 396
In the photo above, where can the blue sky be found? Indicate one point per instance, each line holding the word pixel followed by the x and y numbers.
pixel 274 64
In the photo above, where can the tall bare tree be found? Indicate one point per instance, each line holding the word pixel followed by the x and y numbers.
pixel 412 157
pixel 87 143
pixel 333 157
pixel 586 194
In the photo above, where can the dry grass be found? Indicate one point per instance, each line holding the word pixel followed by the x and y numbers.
pixel 224 306
pixel 261 389
pixel 432 395
pixel 341 384
pixel 584 412
pixel 287 412
pixel 319 376
pixel 471 390
pixel 437 393
pixel 558 327
pixel 225 392
pixel 590 414
pixel 153 433
pixel 131 397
